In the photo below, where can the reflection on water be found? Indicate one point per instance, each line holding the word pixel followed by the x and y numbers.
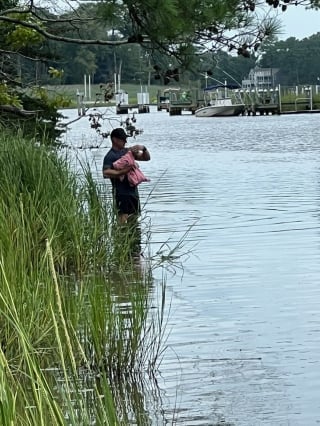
pixel 244 325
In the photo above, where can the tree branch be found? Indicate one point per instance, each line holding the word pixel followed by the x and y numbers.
pixel 51 36
pixel 18 111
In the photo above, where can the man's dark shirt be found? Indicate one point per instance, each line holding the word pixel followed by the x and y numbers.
pixel 119 186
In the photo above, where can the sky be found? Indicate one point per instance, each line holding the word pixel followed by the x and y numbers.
pixel 299 23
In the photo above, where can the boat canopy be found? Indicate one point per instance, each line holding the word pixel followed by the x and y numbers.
pixel 219 86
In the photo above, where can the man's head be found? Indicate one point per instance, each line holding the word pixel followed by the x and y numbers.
pixel 118 138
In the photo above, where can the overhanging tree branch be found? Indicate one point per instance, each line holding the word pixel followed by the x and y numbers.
pixel 63 39
pixel 168 26
pixel 17 111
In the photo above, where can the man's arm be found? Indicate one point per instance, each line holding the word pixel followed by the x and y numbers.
pixel 112 173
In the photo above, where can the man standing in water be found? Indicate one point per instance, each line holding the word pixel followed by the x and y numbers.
pixel 126 196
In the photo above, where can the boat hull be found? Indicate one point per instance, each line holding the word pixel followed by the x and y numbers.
pixel 220 110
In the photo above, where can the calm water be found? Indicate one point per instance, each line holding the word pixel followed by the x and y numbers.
pixel 244 323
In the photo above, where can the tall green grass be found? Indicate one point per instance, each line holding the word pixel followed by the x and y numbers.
pixel 76 318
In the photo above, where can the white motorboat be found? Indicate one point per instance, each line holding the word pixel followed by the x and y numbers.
pixel 221 101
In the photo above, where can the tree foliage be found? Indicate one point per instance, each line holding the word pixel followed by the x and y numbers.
pixel 298 60
pixel 174 27
pixel 157 32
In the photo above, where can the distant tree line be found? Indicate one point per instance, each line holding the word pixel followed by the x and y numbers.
pixel 298 61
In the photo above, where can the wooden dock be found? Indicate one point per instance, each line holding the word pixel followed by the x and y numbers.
pixel 176 100
pixel 124 108
pixel 257 102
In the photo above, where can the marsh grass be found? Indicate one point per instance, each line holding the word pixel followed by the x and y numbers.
pixel 77 311
pixel 292 102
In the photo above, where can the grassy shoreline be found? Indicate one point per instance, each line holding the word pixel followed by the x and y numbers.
pixel 70 92
pixel 75 308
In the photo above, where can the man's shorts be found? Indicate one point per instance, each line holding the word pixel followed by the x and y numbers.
pixel 127 204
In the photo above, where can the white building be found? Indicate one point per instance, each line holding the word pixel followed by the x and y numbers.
pixel 261 78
